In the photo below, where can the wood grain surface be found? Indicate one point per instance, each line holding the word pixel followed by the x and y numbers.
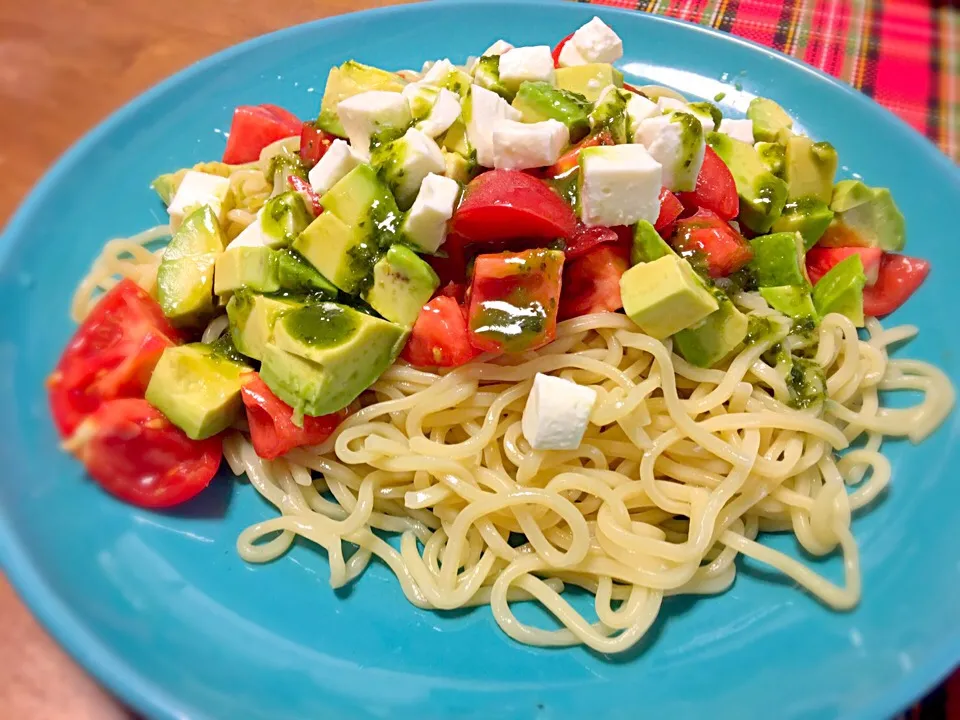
pixel 65 65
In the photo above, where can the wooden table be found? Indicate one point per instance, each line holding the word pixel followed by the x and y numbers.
pixel 64 65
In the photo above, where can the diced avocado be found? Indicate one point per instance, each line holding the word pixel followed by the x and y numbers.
pixel 250 267
pixel 704 109
pixel 770 121
pixel 774 156
pixel 647 244
pixel 806 215
pixel 284 217
pixel 323 356
pixel 223 346
pixel 841 290
pixel 457 167
pixel 810 168
pixel 778 260
pixel 402 284
pixel 539 101
pixel 792 300
pixel 252 317
pixel 165 186
pixel 870 214
pixel 665 296
pixel 296 275
pixel 421 98
pixel 454 79
pixel 455 139
pixel 361 196
pixel 487 75
pixel 762 194
pixel 610 114
pixel 348 80
pixel 713 338
pixel 185 275
pixel 588 80
pixel 197 389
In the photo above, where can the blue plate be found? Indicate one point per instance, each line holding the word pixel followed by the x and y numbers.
pixel 161 609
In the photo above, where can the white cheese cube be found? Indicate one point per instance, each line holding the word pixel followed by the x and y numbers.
pixel 570 56
pixel 426 223
pixel 669 104
pixel 498 48
pixel 557 413
pixel 368 113
pixel 438 72
pixel 738 129
pixel 406 162
pixel 252 235
pixel 486 107
pixel 335 164
pixel 421 98
pixel 639 109
pixel 442 115
pixel 597 43
pixel 526 63
pixel 619 185
pixel 520 146
pixel 676 141
pixel 196 190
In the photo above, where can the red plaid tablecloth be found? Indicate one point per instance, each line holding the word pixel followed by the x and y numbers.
pixel 905 54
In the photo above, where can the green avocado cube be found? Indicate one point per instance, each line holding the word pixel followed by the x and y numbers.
pixel 588 80
pixel 778 260
pixel 791 300
pixel 762 194
pixel 457 167
pixel 283 218
pixel 344 254
pixel 352 78
pixel 647 244
pixel 252 318
pixel 665 296
pixel 807 215
pixel 870 215
pixel 250 267
pixel 770 121
pixel 323 356
pixel 610 114
pixel 402 284
pixel 421 98
pixel 841 290
pixel 165 186
pixel 405 162
pixel 810 168
pixel 773 155
pixel 487 76
pixel 455 139
pixel 296 275
pixel 713 338
pixel 538 101
pixel 197 389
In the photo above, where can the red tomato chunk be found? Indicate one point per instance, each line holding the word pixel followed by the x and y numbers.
pixel 256 126
pixel 705 236
pixel 715 190
pixel 591 284
pixel 439 336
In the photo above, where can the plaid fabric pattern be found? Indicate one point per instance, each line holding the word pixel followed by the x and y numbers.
pixel 905 54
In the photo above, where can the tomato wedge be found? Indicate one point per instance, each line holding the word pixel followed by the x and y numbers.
pixel 898 278
pixel 505 204
pixel 820 260
pixel 111 355
pixel 715 189
pixel 568 161
pixel 585 239
pixel 136 454
pixel 721 247
pixel 256 126
pixel 439 336
pixel 591 284
pixel 558 48
pixel 670 209
pixel 314 144
pixel 514 300
pixel 270 419
pixel 307 192
pixel 457 291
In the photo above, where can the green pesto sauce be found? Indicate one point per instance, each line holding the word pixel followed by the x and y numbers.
pixel 611 115
pixel 512 323
pixel 223 347
pixel 708 108
pixel 285 216
pixel 361 258
pixel 804 327
pixel 719 96
pixel 758 329
pixel 322 326
pixel 806 383
pixel 691 135
pixel 379 140
pixel 567 186
pixel 282 165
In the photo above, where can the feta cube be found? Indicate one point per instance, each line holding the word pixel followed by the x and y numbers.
pixel 426 223
pixel 557 413
pixel 738 129
pixel 442 115
pixel 570 56
pixel 195 190
pixel 368 113
pixel 526 63
pixel 486 107
pixel 404 163
pixel 520 146
pixel 676 141
pixel 597 43
pixel 619 185
pixel 669 104
pixel 335 164
pixel 639 109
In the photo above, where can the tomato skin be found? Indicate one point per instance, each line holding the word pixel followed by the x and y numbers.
pixel 505 204
pixel 307 192
pixel 898 278
pixel 314 144
pixel 111 355
pixel 670 209
pixel 591 284
pixel 137 455
pixel 254 127
pixel 457 291
pixel 723 248
pixel 820 260
pixel 270 419
pixel 568 161
pixel 715 189
pixel 586 239
pixel 439 336
pixel 558 48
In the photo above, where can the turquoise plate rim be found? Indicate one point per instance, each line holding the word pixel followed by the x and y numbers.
pixel 123 679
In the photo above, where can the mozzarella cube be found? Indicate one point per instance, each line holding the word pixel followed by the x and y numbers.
pixel 368 113
pixel 442 115
pixel 520 146
pixel 421 98
pixel 570 56
pixel 557 413
pixel 404 164
pixel 438 72
pixel 639 109
pixel 335 164
pixel 196 190
pixel 526 63
pixel 498 48
pixel 619 185
pixel 738 129
pixel 669 104
pixel 676 141
pixel 426 223
pixel 252 235
pixel 486 108
pixel 597 43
